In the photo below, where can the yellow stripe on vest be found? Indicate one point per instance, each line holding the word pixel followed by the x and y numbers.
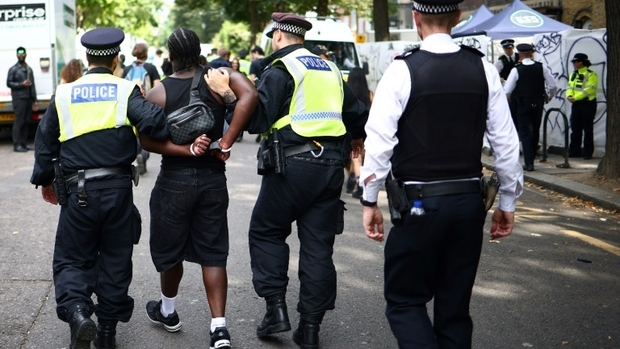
pixel 92 103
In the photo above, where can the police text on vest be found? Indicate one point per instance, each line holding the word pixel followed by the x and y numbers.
pixel 94 93
pixel 313 63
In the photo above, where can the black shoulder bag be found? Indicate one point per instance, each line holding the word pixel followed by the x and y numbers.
pixel 192 120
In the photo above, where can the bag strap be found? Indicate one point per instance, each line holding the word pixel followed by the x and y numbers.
pixel 197 75
pixel 194 94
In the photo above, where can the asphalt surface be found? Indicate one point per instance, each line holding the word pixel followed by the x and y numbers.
pixel 532 289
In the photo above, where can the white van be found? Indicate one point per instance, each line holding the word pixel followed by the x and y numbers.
pixel 334 35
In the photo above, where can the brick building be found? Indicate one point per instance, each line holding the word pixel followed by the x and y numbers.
pixel 581 14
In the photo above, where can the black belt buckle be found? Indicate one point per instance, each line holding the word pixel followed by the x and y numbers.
pixel 81 191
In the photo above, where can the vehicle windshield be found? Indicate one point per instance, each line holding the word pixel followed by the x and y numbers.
pixel 342 53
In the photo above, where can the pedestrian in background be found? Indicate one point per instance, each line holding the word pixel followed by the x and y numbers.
pixel 526 87
pixel 257 55
pixel 189 202
pixel 71 71
pixel 359 85
pixel 308 142
pixel 244 64
pixel 222 60
pixel 146 76
pixel 20 79
pixel 581 92
pixel 234 64
pixel 425 131
pixel 93 138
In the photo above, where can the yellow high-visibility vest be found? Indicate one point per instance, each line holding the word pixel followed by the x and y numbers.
pixel 244 66
pixel 582 84
pixel 92 103
pixel 316 106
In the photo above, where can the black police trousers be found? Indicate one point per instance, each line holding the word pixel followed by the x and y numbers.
pixel 582 127
pixel 529 111
pixel 434 256
pixel 93 250
pixel 309 193
pixel 23 113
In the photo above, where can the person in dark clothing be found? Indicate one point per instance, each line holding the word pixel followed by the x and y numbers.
pixel 526 86
pixel 166 67
pixel 504 65
pixel 190 199
pixel 257 54
pixel 309 140
pixel 359 85
pixel 20 79
pixel 424 134
pixel 89 127
pixel 223 59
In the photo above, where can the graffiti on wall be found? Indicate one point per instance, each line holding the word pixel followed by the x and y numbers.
pixel 556 50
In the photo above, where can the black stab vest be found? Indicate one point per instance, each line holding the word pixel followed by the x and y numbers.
pixel 531 81
pixel 440 132
pixel 508 65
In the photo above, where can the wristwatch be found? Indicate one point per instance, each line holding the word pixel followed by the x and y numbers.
pixel 368 203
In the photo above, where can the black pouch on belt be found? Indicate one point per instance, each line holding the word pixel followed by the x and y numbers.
pixel 397 198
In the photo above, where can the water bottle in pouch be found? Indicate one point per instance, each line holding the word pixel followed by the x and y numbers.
pixel 417 209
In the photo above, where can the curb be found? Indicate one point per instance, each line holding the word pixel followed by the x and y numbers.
pixel 601 198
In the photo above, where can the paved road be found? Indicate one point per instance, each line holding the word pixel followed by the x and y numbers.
pixel 531 289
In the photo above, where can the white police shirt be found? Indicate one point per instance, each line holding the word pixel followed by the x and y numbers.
pixel 391 98
pixel 511 82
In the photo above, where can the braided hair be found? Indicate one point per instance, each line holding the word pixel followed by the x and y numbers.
pixel 184 45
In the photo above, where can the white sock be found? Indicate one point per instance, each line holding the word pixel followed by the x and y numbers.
pixel 167 305
pixel 217 322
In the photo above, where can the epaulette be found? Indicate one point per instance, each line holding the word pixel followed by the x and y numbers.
pixel 407 53
pixel 473 50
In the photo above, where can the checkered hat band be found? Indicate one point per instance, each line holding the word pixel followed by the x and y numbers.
pixel 104 52
pixel 289 28
pixel 434 9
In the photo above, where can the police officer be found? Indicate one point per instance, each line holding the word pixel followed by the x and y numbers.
pixel 89 126
pixel 429 104
pixel 581 92
pixel 526 86
pixel 507 61
pixel 305 112
pixel 504 65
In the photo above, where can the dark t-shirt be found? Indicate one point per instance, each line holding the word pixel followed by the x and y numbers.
pixel 219 63
pixel 255 68
pixel 177 96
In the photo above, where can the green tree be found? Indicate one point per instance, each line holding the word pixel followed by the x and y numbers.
pixel 129 15
pixel 205 18
pixel 610 165
pixel 233 36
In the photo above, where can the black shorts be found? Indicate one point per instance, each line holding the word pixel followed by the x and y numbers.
pixel 188 218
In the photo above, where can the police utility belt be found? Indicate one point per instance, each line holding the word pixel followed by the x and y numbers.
pixel 62 183
pixel 401 195
pixel 271 155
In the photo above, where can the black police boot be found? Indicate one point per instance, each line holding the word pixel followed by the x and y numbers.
pixel 83 329
pixel 307 333
pixel 276 318
pixel 106 335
